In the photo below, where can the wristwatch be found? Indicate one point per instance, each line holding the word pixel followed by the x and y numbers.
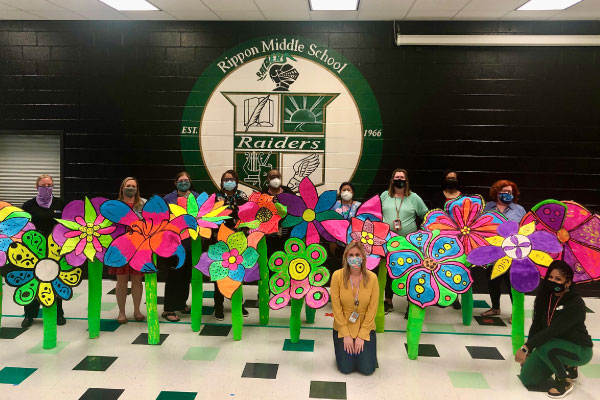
pixel 524 349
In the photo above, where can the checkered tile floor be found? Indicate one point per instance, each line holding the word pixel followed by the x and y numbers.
pixel 456 361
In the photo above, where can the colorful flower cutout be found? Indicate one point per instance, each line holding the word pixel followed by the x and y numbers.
pixel 311 215
pixel 232 260
pixel 578 231
pixel 39 270
pixel 519 248
pixel 464 218
pixel 260 213
pixel 154 234
pixel 368 229
pixel 299 274
pixel 83 233
pixel 13 223
pixel 428 267
pixel 208 212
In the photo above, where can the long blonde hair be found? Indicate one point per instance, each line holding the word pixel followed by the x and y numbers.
pixel 346 267
pixel 137 198
pixel 391 188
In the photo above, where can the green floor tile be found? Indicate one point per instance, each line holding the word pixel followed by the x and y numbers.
pixel 176 396
pixel 528 313
pixel 439 327
pixel 38 349
pixel 15 375
pixel 480 304
pixel 207 310
pixel 276 321
pixel 95 363
pixel 208 294
pixel 327 390
pixel 470 380
pixel 109 325
pixel 302 345
pixel 591 370
pixel 75 295
pixel 202 353
pixel 107 306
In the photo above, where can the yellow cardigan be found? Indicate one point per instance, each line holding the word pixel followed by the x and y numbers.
pixel 342 301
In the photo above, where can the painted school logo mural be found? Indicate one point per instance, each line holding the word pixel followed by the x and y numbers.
pixel 283 103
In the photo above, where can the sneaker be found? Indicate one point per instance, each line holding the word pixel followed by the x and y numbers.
pixel 388 307
pixel 456 305
pixel 560 389
pixel 572 373
pixel 245 312
pixel 219 314
pixel 27 322
pixel 60 320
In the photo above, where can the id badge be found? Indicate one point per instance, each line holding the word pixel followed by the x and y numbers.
pixel 397 225
pixel 353 317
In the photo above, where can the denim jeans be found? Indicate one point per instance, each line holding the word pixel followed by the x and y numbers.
pixel 365 362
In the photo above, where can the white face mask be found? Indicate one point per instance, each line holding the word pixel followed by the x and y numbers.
pixel 275 183
pixel 346 195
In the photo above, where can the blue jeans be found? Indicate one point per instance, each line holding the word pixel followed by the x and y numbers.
pixel 365 362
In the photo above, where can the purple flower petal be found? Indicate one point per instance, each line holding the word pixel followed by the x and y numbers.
pixel 203 264
pixel 252 274
pixel 74 209
pixel 294 204
pixel 545 241
pixel 485 255
pixel 58 234
pixel 323 232
pixel 508 228
pixel 524 276
pixel 75 260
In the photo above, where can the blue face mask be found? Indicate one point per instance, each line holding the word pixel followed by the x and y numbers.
pixel 229 185
pixel 183 186
pixel 354 262
pixel 506 198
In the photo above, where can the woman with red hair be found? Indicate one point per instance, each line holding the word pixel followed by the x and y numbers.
pixel 504 195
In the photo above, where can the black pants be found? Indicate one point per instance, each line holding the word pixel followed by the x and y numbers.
pixel 32 309
pixel 495 287
pixel 219 298
pixel 177 286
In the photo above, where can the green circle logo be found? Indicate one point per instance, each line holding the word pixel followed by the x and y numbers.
pixel 286 103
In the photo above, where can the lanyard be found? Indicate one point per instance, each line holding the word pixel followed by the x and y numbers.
pixel 398 208
pixel 550 316
pixel 357 290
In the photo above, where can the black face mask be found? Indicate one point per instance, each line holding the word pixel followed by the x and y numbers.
pixel 555 287
pixel 450 184
pixel 399 183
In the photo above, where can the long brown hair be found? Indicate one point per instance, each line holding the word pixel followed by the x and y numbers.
pixel 391 187
pixel 137 202
pixel 346 267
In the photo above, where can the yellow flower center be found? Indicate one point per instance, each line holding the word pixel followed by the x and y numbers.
pixel 299 269
pixel 232 260
pixel 308 215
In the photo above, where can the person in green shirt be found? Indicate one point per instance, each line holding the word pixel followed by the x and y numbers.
pixel 400 208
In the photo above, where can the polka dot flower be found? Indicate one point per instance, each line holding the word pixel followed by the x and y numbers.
pixel 299 274
pixel 428 268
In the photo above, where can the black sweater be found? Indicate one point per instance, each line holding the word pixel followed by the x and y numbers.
pixel 567 322
pixel 43 218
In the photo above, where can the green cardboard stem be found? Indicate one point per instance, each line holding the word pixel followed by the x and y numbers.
pixel 94 297
pixel 381 278
pixel 518 320
pixel 49 315
pixel 467 307
pixel 310 314
pixel 237 320
pixel 295 323
pixel 416 315
pixel 197 289
pixel 263 283
pixel 152 313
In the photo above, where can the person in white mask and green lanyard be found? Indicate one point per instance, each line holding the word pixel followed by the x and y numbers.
pixel 400 207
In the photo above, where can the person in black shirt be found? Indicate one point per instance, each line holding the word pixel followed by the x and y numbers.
pixel 43 209
pixel 558 340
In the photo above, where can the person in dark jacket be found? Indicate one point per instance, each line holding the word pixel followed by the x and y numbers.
pixel 558 341
pixel 43 209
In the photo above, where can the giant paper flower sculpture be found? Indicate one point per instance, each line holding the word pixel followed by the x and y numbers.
pixel 311 215
pixel 428 267
pixel 464 218
pixel 40 272
pixel 368 229
pixel 577 229
pixel 154 234
pixel 260 213
pixel 208 212
pixel 13 223
pixel 299 274
pixel 83 232
pixel 519 248
pixel 232 260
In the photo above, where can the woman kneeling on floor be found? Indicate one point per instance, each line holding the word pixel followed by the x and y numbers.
pixel 354 298
pixel 558 339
